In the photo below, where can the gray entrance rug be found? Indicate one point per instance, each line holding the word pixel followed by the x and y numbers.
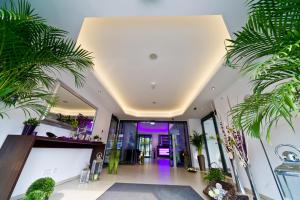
pixel 128 191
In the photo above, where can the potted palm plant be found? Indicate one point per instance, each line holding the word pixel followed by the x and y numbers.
pixel 198 140
pixel 29 126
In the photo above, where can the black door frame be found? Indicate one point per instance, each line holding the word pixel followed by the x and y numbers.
pixel 212 115
pixel 187 138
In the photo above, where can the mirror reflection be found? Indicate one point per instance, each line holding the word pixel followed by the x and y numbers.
pixel 71 112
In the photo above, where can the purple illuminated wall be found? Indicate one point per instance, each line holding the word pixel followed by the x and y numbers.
pixel 157 127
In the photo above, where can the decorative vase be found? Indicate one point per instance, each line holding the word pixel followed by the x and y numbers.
pixel 28 130
pixel 253 188
pixel 239 187
pixel 201 161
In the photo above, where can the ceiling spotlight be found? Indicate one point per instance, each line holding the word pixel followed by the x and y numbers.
pixel 153 85
pixel 213 88
pixel 195 108
pixel 153 56
pixel 154 102
pixel 152 123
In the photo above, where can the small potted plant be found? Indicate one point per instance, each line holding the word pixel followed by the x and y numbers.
pixel 198 140
pixel 43 187
pixel 96 138
pixel 36 195
pixel 29 126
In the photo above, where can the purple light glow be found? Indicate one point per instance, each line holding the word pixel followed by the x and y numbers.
pixel 158 127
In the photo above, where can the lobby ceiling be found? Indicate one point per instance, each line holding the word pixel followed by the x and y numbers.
pixel 70 15
pixel 155 66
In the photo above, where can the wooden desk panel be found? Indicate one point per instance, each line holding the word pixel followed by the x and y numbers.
pixel 16 149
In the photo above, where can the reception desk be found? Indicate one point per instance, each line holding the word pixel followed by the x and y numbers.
pixel 163 151
pixel 16 149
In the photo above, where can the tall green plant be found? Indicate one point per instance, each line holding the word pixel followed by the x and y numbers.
pixel 267 49
pixel 31 53
pixel 114 158
pixel 198 140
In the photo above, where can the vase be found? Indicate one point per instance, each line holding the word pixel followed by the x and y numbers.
pixel 238 184
pixel 253 188
pixel 28 130
pixel 201 161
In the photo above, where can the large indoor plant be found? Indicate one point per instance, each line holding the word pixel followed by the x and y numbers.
pixel 267 49
pixel 31 53
pixel 198 141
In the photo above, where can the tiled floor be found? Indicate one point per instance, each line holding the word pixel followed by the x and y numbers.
pixel 157 173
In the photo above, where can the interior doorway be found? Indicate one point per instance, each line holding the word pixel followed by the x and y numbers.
pixel 145 145
pixel 161 142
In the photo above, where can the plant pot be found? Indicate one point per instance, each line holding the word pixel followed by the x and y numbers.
pixel 201 161
pixel 230 195
pixel 28 130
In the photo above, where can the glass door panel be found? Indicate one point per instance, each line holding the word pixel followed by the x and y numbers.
pixel 214 149
pixel 145 145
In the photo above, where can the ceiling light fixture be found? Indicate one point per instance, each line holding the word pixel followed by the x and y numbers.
pixel 153 85
pixel 213 88
pixel 153 56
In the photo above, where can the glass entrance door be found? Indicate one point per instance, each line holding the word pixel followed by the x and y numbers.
pixel 214 149
pixel 145 145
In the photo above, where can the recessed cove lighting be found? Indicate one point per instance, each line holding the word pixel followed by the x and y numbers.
pixel 153 56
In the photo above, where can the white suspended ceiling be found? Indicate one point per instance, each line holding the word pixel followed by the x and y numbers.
pixel 189 51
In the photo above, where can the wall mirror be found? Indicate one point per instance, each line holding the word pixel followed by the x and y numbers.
pixel 71 112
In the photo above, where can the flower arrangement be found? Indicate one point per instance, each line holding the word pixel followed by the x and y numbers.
pixel 217 192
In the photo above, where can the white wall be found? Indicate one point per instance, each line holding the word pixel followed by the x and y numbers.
pixel 61 164
pixel 282 134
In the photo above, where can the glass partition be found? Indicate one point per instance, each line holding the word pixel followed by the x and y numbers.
pixel 112 133
pixel 178 131
pixel 128 142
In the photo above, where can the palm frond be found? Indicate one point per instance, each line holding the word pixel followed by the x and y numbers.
pixel 31 52
pixel 268 50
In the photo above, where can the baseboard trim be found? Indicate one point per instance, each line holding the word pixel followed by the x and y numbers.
pixel 21 196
